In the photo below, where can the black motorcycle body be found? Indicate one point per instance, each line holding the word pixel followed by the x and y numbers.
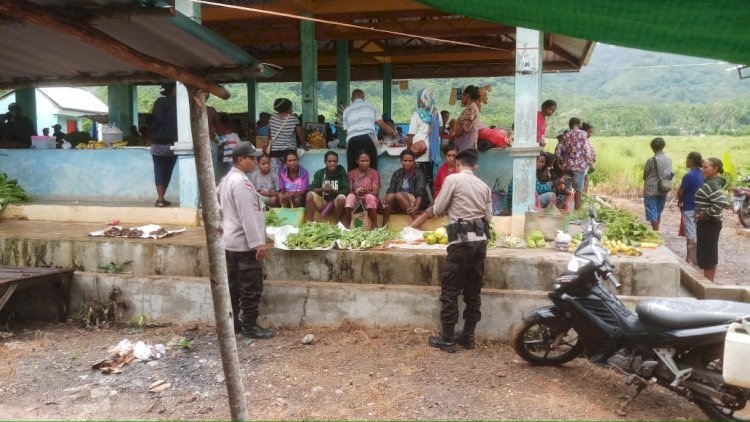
pixel 676 343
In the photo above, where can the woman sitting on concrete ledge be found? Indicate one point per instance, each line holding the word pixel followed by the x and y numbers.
pixel 294 182
pixel 407 191
pixel 364 185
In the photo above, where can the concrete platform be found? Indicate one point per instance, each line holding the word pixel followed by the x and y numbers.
pixel 294 303
pixel 29 243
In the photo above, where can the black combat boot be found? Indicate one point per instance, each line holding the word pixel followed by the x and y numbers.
pixel 251 329
pixel 467 339
pixel 446 341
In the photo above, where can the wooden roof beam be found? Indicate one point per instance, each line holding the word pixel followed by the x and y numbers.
pixel 317 8
pixel 27 11
pixel 564 54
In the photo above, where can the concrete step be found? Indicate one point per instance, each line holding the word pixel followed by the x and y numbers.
pixel 656 273
pixel 301 303
pixel 135 214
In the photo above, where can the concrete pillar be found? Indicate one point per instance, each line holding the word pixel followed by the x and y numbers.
pixel 529 49
pixel 122 103
pixel 252 101
pixel 188 183
pixel 343 82
pixel 309 56
pixel 387 90
pixel 26 99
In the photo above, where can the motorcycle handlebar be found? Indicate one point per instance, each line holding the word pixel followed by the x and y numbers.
pixel 612 279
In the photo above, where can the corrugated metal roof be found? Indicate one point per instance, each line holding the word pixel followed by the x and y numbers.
pixel 35 53
pixel 77 99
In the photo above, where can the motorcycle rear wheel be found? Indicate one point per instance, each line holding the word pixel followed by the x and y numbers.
pixel 718 410
pixel 744 214
pixel 547 342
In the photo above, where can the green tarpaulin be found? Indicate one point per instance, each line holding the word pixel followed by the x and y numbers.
pixel 705 28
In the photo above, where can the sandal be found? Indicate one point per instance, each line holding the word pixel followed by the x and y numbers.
pixel 159 204
pixel 166 203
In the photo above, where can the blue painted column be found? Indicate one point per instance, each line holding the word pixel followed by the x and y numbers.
pixel 188 178
pixel 387 90
pixel 309 59
pixel 529 49
pixel 122 104
pixel 26 99
pixel 252 101
pixel 343 83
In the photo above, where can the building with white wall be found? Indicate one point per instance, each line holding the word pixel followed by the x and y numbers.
pixel 64 106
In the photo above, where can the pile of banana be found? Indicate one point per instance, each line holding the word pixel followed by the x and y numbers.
pixel 91 145
pixel 119 144
pixel 616 246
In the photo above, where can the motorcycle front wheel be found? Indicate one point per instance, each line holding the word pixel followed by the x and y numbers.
pixel 744 214
pixel 547 341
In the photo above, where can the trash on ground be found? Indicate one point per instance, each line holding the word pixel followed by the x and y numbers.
pixel 126 352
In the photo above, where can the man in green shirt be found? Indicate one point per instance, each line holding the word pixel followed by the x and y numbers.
pixel 328 189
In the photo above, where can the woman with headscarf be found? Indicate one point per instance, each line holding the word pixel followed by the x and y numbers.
pixel 466 132
pixel 285 133
pixel 424 135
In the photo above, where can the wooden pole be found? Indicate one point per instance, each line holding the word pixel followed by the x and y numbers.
pixel 216 255
pixel 27 11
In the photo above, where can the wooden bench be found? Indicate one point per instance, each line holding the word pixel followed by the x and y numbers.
pixel 20 278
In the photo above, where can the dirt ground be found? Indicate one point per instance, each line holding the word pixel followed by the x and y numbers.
pixel 347 373
pixel 734 266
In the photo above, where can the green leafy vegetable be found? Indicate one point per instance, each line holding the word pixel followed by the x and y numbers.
pixel 273 219
pixel 11 192
pixel 360 238
pixel 313 235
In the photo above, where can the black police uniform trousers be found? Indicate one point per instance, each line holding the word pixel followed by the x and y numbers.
pixel 245 274
pixel 462 273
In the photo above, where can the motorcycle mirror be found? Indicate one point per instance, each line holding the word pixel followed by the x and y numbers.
pixel 592 211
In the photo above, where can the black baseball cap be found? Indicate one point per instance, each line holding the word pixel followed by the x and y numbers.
pixel 245 149
pixel 468 153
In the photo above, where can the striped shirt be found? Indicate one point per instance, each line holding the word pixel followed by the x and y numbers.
pixel 287 137
pixel 710 197
pixel 359 119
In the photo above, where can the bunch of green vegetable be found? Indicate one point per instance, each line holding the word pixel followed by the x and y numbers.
pixel 313 235
pixel 535 239
pixel 620 224
pixel 359 238
pixel 492 241
pixel 11 192
pixel 273 219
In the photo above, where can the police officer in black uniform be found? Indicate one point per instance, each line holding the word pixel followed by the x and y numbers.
pixel 467 201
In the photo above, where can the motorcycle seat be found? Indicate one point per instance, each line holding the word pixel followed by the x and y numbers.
pixel 675 313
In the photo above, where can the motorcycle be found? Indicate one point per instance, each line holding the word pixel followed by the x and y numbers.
pixel 678 344
pixel 741 202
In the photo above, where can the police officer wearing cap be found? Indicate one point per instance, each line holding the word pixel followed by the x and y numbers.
pixel 467 201
pixel 245 240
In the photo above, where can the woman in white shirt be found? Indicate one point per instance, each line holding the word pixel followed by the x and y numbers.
pixel 424 135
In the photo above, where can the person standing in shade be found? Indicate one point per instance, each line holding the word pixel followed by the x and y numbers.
pixel 710 202
pixel 285 133
pixel 163 137
pixel 467 201
pixel 16 129
pixel 424 135
pixel 244 235
pixel 548 109
pixel 658 167
pixel 576 155
pixel 686 201
pixel 466 132
pixel 360 119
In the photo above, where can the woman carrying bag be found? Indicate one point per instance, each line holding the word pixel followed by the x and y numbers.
pixel 285 130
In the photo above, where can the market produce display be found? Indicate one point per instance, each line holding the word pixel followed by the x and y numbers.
pixel 272 219
pixel 358 238
pixel 511 242
pixel 621 225
pixel 440 235
pixel 535 239
pixel 11 192
pixel 313 235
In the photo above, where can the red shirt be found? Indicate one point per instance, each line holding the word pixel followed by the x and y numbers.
pixel 541 127
pixel 442 173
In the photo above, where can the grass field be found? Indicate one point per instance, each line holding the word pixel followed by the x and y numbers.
pixel 620 159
